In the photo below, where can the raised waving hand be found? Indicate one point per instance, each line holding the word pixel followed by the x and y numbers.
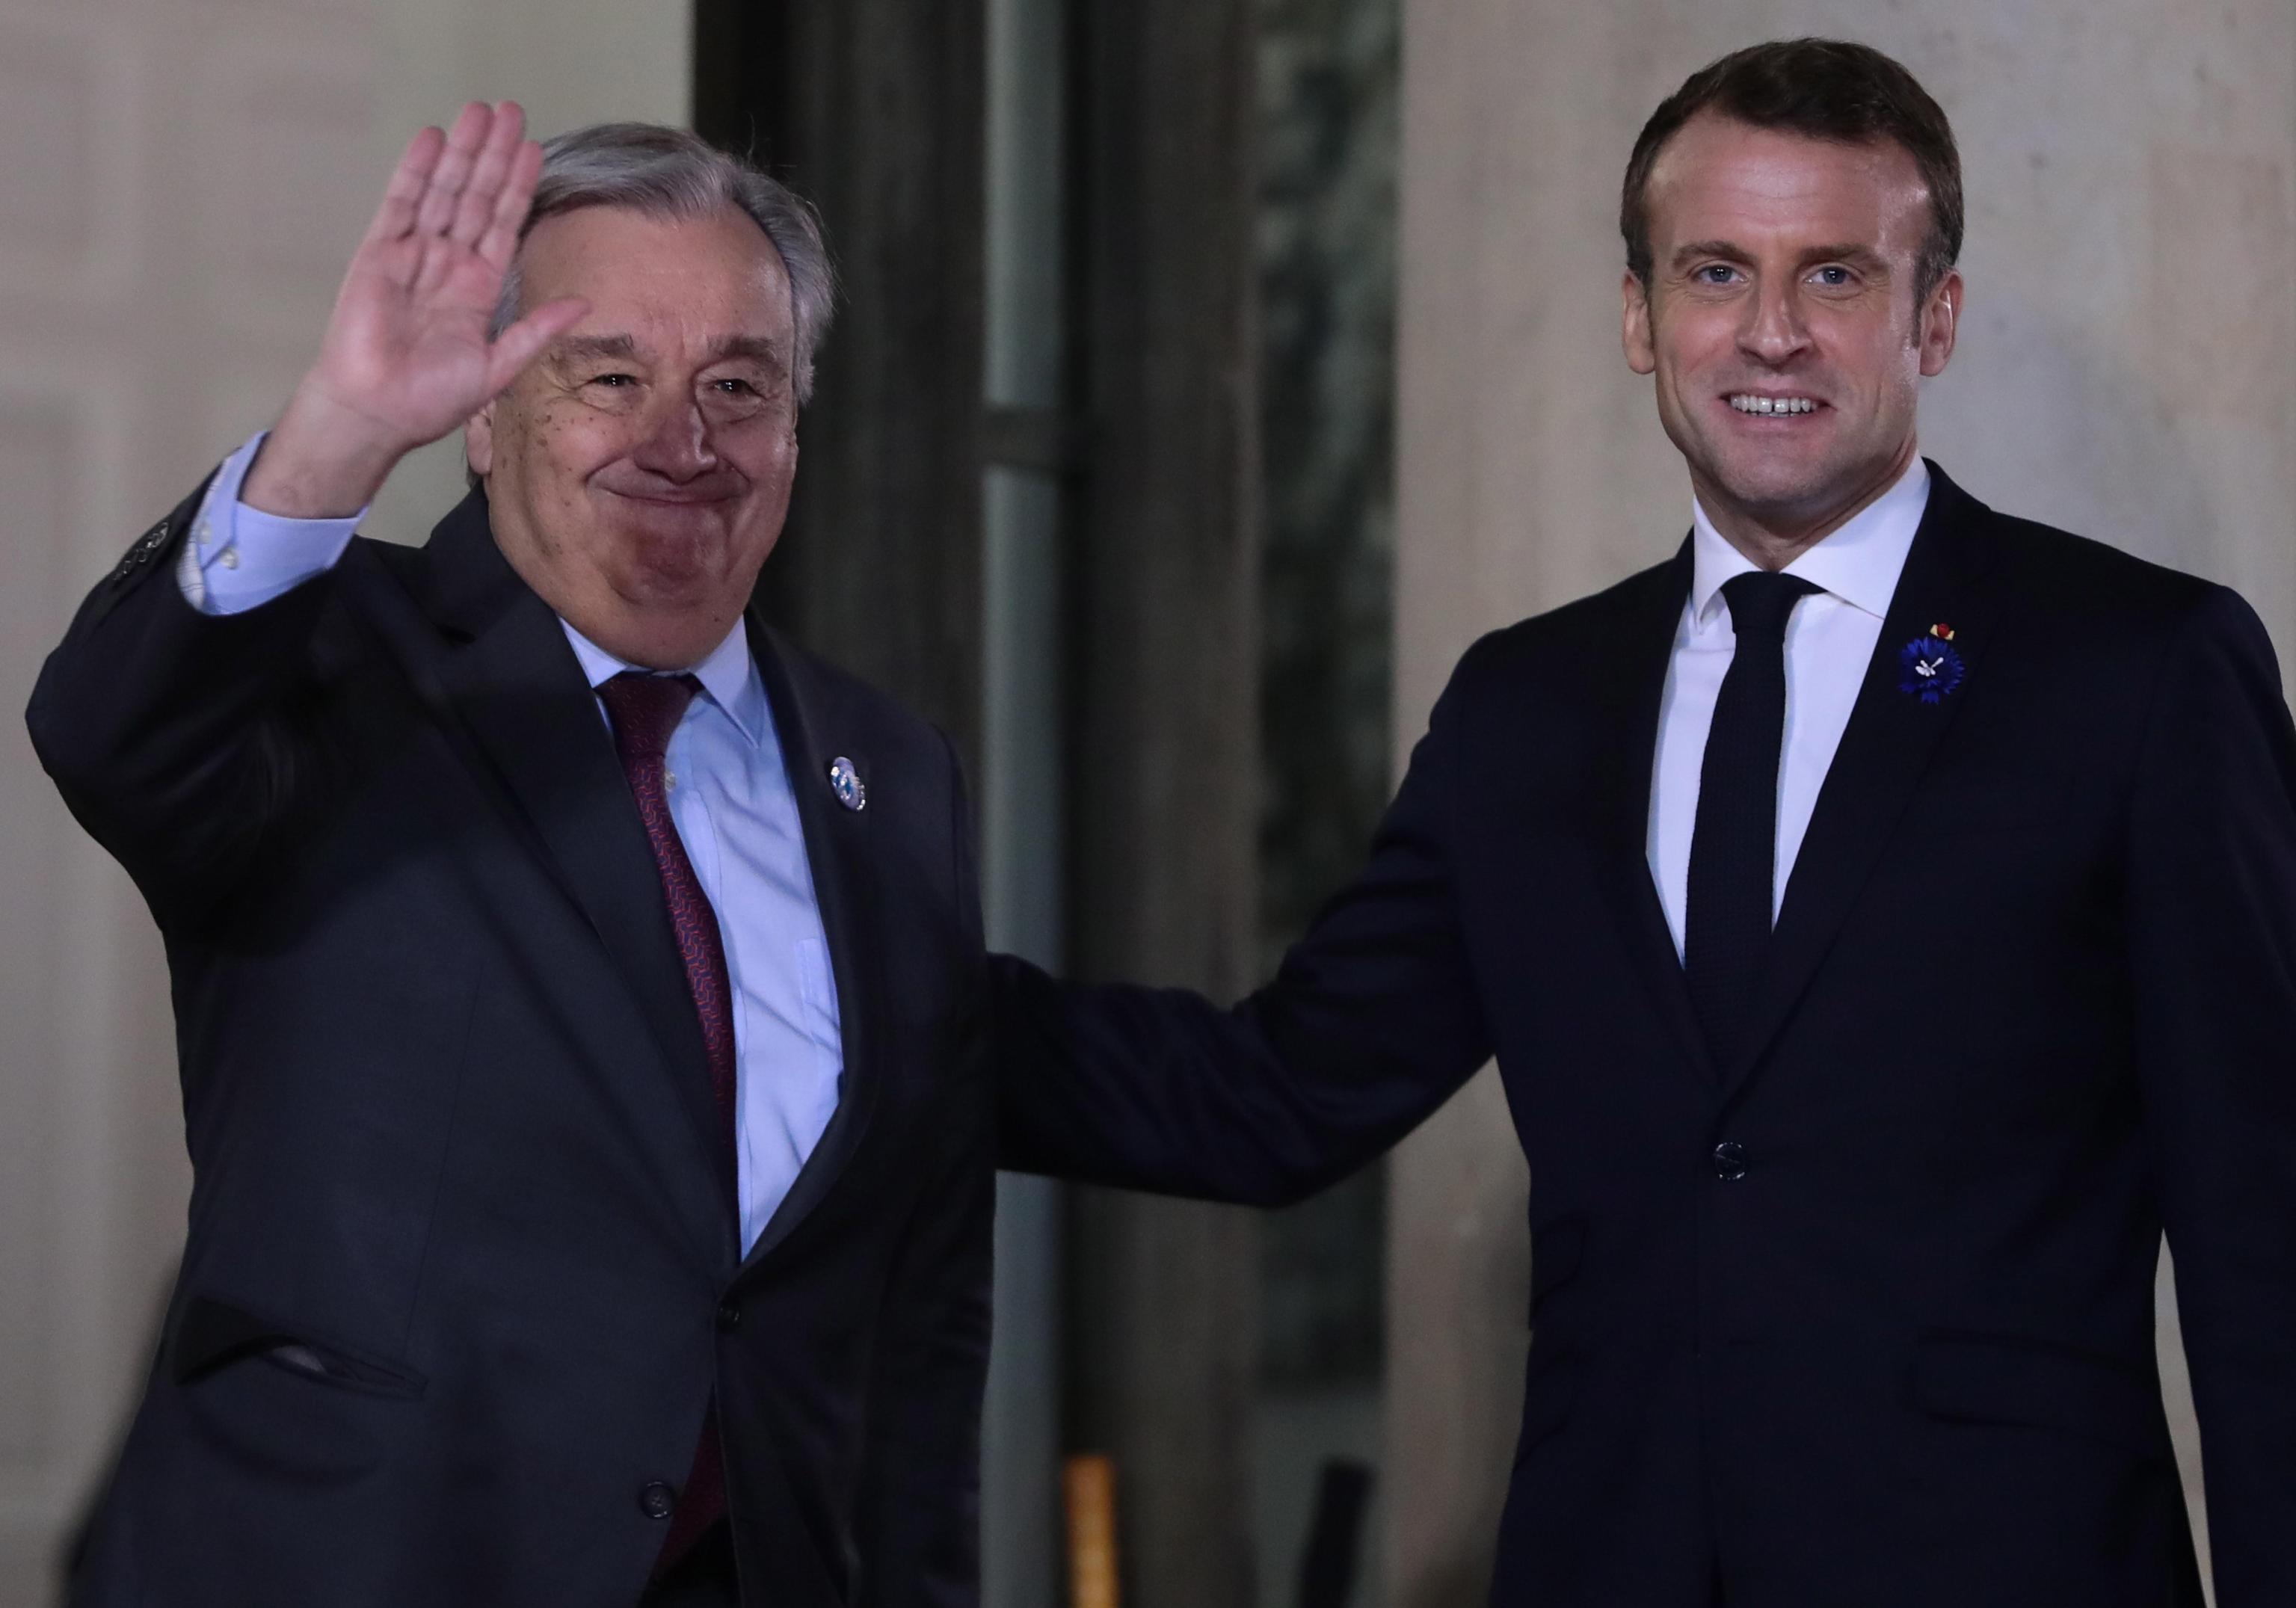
pixel 405 358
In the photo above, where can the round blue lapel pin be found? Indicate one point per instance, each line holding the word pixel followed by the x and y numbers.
pixel 1929 667
pixel 845 782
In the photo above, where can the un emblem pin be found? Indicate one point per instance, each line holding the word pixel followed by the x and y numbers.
pixel 845 782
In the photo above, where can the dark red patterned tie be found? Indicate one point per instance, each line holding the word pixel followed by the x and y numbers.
pixel 645 710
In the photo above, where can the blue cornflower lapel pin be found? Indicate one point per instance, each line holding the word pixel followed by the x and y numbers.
pixel 1929 667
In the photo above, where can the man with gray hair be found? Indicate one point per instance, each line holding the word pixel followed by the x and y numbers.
pixel 576 986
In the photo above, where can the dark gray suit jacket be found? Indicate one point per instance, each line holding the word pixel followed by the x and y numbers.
pixel 460 1279
pixel 1864 1316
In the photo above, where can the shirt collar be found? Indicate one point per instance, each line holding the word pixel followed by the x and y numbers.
pixel 1858 563
pixel 728 675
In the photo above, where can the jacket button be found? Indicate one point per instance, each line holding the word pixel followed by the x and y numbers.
pixel 1730 1161
pixel 729 1317
pixel 657 1500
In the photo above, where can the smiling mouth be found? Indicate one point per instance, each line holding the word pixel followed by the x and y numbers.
pixel 675 499
pixel 1749 402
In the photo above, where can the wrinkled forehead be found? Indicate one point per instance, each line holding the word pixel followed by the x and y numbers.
pixel 709 278
pixel 1719 179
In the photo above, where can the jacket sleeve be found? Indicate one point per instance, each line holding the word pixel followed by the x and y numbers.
pixel 1372 1020
pixel 2212 942
pixel 919 1517
pixel 167 730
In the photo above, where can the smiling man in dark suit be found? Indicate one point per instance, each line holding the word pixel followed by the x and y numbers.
pixel 578 986
pixel 1883 916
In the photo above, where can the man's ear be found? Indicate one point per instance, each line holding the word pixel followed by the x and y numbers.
pixel 1941 323
pixel 478 442
pixel 1635 325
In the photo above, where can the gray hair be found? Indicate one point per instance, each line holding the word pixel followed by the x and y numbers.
pixel 671 173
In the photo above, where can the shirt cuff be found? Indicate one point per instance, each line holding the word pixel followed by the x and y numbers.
pixel 239 558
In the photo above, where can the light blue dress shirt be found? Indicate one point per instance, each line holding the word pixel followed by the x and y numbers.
pixel 736 813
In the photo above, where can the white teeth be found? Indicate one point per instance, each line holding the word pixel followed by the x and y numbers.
pixel 1773 405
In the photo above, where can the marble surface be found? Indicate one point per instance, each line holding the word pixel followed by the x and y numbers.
pixel 1329 73
pixel 1328 76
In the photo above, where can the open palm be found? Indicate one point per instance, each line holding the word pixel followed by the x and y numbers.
pixel 406 357
pixel 407 347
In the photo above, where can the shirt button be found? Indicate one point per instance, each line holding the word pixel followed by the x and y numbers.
pixel 657 1499
pixel 729 1317
pixel 670 780
pixel 228 558
pixel 1730 1161
pixel 204 533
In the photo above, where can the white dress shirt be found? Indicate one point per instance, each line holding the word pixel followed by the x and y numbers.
pixel 1830 640
pixel 736 813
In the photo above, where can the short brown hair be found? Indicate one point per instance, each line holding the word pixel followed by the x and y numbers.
pixel 1827 89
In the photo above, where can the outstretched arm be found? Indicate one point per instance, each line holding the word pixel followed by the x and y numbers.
pixel 1374 1020
pixel 170 731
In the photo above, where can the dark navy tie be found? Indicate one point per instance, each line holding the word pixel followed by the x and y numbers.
pixel 1734 845
pixel 645 710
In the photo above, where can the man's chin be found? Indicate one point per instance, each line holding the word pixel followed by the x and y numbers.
pixel 661 629
pixel 668 590
pixel 671 549
pixel 1772 490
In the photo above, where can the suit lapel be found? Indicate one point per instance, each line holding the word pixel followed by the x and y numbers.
pixel 1646 648
pixel 1884 750
pixel 839 846
pixel 512 683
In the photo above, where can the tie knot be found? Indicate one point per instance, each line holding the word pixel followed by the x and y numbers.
pixel 645 711
pixel 1760 601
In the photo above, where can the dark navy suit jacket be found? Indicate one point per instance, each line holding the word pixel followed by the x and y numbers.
pixel 462 1276
pixel 2032 1000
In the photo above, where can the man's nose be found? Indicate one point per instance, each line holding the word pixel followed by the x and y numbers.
pixel 676 443
pixel 1775 330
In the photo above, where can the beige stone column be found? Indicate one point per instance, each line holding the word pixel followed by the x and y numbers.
pixel 2126 369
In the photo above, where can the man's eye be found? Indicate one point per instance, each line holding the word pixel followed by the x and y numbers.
pixel 614 381
pixel 1833 273
pixel 1716 272
pixel 734 387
